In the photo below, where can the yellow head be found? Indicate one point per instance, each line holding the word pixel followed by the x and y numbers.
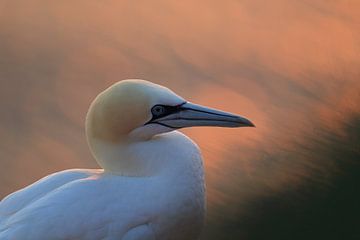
pixel 124 107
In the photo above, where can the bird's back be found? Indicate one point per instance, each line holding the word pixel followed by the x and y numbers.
pixel 22 198
pixel 18 201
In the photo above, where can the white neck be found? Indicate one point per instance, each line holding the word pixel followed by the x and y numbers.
pixel 161 154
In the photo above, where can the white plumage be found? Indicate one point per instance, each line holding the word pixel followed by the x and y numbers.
pixel 152 182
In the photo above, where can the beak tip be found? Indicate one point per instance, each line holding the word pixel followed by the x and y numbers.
pixel 246 123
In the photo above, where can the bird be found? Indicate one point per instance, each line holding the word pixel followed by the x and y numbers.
pixel 151 182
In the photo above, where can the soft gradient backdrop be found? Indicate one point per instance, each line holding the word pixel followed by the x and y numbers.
pixel 292 67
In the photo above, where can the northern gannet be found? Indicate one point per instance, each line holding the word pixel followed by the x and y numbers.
pixel 151 185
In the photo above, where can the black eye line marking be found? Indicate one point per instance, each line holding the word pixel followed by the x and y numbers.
pixel 167 111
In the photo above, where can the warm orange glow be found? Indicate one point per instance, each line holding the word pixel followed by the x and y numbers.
pixel 289 66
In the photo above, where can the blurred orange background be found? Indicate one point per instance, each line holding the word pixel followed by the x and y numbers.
pixel 292 67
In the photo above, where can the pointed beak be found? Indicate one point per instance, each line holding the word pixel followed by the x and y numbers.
pixel 189 115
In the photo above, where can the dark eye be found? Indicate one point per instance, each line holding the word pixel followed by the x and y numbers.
pixel 158 110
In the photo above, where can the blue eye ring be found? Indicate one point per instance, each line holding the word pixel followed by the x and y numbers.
pixel 158 110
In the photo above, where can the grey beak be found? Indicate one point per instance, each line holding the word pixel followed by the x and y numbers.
pixel 190 115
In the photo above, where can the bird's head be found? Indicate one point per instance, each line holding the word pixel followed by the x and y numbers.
pixel 138 109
